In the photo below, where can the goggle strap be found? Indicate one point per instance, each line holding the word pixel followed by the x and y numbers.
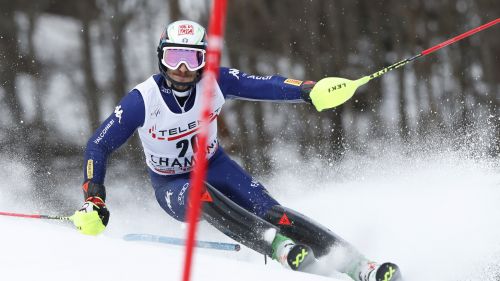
pixel 184 46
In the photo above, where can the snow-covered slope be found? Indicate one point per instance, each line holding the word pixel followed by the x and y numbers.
pixel 436 216
pixel 35 250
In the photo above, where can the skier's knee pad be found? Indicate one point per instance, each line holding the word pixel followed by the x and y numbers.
pixel 302 229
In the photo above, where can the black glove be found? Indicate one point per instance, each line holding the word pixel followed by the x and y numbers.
pixel 92 218
pixel 306 88
pixel 95 196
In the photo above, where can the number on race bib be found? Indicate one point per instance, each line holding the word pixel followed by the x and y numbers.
pixel 183 145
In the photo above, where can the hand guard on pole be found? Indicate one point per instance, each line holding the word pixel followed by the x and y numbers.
pixel 93 216
pixel 331 92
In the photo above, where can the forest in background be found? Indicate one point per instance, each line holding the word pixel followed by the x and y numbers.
pixel 52 98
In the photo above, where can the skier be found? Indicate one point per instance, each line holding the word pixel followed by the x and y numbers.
pixel 165 110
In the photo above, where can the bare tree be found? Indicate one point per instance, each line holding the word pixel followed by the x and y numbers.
pixel 9 55
pixel 453 91
pixel 91 89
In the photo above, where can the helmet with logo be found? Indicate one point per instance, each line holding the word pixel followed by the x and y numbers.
pixel 182 42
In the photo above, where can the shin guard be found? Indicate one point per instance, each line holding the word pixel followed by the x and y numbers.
pixel 238 223
pixel 303 230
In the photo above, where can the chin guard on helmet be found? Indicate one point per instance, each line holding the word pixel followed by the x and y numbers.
pixel 186 42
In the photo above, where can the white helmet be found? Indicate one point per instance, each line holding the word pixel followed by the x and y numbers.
pixel 182 42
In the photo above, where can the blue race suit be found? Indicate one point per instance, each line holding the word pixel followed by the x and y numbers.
pixel 223 173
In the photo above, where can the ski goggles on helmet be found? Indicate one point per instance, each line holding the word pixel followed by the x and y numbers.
pixel 193 58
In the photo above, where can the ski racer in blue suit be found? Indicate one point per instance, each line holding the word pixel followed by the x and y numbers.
pixel 164 110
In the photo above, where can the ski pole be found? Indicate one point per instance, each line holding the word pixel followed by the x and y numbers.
pixel 181 242
pixel 37 216
pixel 342 89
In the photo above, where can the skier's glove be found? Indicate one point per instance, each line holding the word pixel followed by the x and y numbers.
pixel 93 216
pixel 306 88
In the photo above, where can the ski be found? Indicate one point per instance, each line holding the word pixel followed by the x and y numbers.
pixel 181 242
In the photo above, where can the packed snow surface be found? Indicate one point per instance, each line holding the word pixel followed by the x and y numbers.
pixel 436 216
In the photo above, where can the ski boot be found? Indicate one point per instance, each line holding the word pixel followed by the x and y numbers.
pixel 290 255
pixel 371 271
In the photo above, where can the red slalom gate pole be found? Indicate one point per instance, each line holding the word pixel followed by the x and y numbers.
pixel 214 48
